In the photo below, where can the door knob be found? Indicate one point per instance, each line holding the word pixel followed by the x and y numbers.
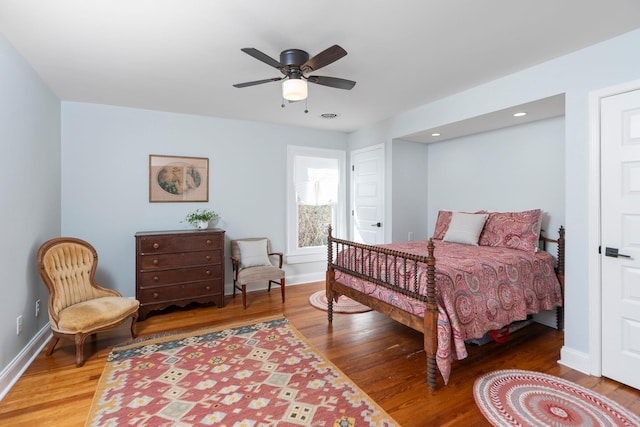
pixel 377 224
pixel 613 252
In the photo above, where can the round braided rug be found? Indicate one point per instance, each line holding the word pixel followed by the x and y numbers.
pixel 526 398
pixel 344 304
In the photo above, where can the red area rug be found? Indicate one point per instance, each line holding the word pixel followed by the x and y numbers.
pixel 257 374
pixel 344 304
pixel 525 398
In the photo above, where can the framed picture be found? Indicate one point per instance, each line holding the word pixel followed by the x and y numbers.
pixel 178 179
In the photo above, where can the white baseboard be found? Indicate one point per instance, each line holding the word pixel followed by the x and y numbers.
pixel 14 370
pixel 299 279
pixel 292 280
pixel 575 360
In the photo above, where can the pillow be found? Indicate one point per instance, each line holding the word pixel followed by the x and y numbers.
pixel 465 228
pixel 253 253
pixel 442 223
pixel 516 230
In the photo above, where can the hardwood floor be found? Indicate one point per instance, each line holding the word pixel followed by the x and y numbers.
pixel 382 357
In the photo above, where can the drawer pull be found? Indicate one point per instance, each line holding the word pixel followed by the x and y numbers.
pixel 208 272
pixel 209 242
pixel 156 262
pixel 156 278
pixel 208 288
pixel 155 295
pixel 156 245
pixel 208 257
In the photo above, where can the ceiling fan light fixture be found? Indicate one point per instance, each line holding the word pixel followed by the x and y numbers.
pixel 294 89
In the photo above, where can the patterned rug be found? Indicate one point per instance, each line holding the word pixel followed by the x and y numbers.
pixel 525 398
pixel 258 374
pixel 344 304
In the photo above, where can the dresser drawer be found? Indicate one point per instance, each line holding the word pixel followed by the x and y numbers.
pixel 184 259
pixel 180 292
pixel 170 244
pixel 179 275
pixel 178 268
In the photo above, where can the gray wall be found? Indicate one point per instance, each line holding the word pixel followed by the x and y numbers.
pixel 513 169
pixel 105 180
pixel 30 212
pixel 409 181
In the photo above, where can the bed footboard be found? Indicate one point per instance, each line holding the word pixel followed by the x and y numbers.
pixel 375 271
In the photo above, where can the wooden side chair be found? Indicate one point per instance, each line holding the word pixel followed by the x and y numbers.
pixel 78 307
pixel 253 261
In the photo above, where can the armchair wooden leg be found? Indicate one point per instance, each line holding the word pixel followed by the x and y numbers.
pixel 79 339
pixel 244 296
pixel 282 288
pixel 134 318
pixel 52 344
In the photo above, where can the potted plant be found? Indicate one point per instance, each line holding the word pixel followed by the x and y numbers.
pixel 201 218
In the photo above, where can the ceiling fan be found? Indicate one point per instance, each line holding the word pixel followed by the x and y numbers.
pixel 294 64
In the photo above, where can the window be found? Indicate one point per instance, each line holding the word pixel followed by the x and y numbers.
pixel 315 199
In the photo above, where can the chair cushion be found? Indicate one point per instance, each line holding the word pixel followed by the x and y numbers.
pixel 95 314
pixel 260 274
pixel 253 253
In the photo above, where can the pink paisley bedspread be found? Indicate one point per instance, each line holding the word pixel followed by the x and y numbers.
pixel 478 289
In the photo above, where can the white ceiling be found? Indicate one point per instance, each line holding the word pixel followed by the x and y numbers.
pixel 539 109
pixel 184 55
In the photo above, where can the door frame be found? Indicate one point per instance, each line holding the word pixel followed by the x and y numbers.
pixel 380 146
pixel 594 223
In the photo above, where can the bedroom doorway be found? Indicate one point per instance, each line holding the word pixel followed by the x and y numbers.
pixel 367 195
pixel 620 236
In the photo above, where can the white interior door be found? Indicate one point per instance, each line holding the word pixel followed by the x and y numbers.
pixel 367 190
pixel 620 214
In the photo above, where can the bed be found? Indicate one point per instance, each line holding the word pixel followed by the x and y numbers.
pixel 456 286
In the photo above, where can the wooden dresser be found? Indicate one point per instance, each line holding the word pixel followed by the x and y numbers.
pixel 178 268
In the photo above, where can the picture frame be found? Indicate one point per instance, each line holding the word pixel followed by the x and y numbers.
pixel 178 179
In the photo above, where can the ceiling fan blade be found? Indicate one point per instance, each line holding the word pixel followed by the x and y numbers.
pixel 262 57
pixel 323 59
pixel 332 82
pixel 258 82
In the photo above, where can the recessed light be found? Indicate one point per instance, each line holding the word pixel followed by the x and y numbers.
pixel 328 116
pixel 435 134
pixel 519 114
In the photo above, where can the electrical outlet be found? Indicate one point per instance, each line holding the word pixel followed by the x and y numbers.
pixel 37 308
pixel 18 325
pixel 410 236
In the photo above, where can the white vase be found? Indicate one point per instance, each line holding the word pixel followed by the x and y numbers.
pixel 202 225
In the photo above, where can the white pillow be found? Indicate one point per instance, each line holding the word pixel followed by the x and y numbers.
pixel 465 228
pixel 253 253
